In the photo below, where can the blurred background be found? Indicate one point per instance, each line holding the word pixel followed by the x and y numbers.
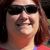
pixel 46 6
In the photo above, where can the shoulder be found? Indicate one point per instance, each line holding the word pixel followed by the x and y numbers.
pixel 43 47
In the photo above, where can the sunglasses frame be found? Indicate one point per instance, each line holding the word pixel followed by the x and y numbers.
pixel 23 8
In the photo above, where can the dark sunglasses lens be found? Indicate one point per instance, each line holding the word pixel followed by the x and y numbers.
pixel 31 9
pixel 14 10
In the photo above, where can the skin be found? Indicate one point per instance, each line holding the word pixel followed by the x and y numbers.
pixel 22 36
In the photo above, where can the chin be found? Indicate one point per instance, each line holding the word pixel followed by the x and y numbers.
pixel 25 31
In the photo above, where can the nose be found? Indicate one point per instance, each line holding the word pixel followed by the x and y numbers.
pixel 24 15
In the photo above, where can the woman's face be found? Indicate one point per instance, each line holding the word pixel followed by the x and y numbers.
pixel 22 23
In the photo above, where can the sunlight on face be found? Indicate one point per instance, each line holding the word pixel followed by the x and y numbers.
pixel 23 23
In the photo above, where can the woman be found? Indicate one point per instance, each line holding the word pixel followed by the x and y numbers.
pixel 24 25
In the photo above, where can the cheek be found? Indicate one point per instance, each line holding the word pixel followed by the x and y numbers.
pixel 35 18
pixel 10 22
pixel 10 19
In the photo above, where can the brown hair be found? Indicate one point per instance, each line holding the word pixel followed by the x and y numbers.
pixel 42 33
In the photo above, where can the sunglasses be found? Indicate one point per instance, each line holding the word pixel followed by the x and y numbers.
pixel 17 9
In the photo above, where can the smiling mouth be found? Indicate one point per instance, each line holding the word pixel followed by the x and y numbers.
pixel 20 24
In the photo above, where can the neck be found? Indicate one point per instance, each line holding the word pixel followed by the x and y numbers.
pixel 21 43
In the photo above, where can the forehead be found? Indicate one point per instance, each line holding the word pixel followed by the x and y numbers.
pixel 23 2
